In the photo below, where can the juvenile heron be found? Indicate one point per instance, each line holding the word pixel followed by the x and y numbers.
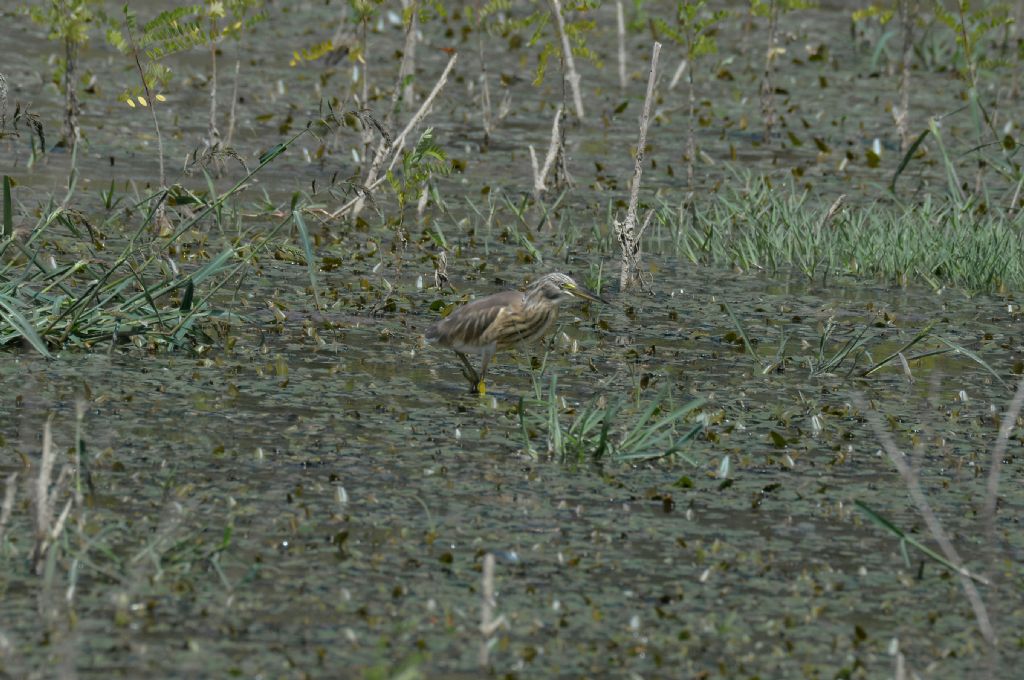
pixel 504 320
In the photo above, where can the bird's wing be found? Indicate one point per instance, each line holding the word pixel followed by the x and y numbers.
pixel 467 324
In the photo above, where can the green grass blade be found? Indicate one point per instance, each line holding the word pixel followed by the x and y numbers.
pixel 307 246
pixel 743 334
pixel 899 533
pixel 917 338
pixel 9 312
pixel 959 349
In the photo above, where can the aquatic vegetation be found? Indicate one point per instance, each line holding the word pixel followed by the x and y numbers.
pixel 615 430
pixel 243 460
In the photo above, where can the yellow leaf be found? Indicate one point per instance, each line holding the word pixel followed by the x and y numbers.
pixel 142 101
pixel 130 103
pixel 161 98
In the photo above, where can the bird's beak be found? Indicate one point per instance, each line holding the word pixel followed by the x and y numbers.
pixel 581 292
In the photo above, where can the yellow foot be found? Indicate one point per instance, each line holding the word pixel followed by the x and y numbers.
pixel 481 388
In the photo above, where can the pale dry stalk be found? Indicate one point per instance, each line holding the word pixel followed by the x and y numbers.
pixel 5 512
pixel 901 113
pixel 374 176
pixel 72 130
pixel 767 89
pixel 45 498
pixel 489 624
pixel 540 175
pixel 407 68
pixel 680 70
pixel 626 231
pixel 234 101
pixel 485 88
pixel 569 69
pixel 3 103
pixel 212 133
pixel 620 26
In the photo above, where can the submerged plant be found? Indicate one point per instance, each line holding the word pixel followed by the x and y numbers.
pixel 615 430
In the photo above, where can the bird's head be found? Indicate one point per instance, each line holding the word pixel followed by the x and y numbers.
pixel 557 287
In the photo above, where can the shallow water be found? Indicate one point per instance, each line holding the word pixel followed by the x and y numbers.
pixel 316 498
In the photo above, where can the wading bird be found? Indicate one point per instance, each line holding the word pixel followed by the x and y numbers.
pixel 504 320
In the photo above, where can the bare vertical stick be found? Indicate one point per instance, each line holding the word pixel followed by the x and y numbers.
pixel 485 88
pixel 554 147
pixel 629 236
pixel 72 131
pixel 767 89
pixel 691 132
pixel 234 100
pixel 901 113
pixel 408 66
pixel 3 102
pixel 570 73
pixel 8 506
pixel 488 623
pixel 212 133
pixel 45 501
pixel 680 70
pixel 621 27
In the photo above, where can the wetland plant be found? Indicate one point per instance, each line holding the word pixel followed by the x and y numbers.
pixel 70 23
pixel 695 31
pixel 771 9
pixel 610 430
pixel 141 296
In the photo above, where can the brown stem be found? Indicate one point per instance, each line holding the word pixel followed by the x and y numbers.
pixel 767 89
pixel 72 132
pixel 901 115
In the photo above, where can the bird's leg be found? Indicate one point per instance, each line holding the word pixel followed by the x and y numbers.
pixel 469 371
pixel 481 387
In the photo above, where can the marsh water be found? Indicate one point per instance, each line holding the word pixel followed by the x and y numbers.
pixel 312 493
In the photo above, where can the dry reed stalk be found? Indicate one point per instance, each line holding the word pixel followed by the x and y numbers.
pixel 620 26
pixel 901 113
pixel 212 133
pixel 45 498
pixel 931 520
pixel 680 70
pixel 5 512
pixel 767 89
pixel 407 69
pixel 234 101
pixel 485 89
pixel 72 130
pixel 554 148
pixel 569 71
pixel 392 149
pixel 626 231
pixel 3 103
pixel 830 215
pixel 488 623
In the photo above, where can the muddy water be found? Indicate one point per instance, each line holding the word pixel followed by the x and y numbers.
pixel 315 498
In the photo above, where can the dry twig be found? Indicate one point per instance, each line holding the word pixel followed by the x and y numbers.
pixel 626 231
